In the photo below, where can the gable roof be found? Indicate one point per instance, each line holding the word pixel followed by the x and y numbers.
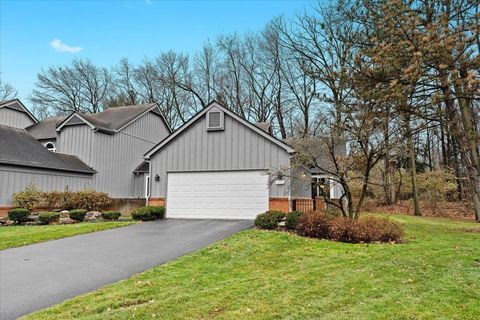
pixel 199 115
pixel 19 148
pixel 45 129
pixel 115 119
pixel 17 105
pixel 318 150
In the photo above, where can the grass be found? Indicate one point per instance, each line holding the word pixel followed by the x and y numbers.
pixel 273 275
pixel 17 236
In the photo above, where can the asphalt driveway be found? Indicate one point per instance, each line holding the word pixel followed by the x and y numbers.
pixel 43 274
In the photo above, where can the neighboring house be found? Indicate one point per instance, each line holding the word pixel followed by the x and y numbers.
pixel 14 114
pixel 45 131
pixel 113 142
pixel 218 165
pixel 23 160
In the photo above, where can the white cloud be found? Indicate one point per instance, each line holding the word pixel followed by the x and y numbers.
pixel 148 2
pixel 59 46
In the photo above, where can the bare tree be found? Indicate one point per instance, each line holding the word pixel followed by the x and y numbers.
pixel 125 87
pixel 80 87
pixel 7 91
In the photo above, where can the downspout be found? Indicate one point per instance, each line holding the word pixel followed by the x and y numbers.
pixel 149 186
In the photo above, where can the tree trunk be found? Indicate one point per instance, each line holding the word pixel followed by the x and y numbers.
pixel 468 144
pixel 413 166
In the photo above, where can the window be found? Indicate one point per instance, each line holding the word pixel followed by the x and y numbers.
pixel 320 186
pixel 50 146
pixel 214 120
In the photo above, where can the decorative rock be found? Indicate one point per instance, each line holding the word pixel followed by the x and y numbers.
pixel 33 218
pixel 66 221
pixel 64 214
pixel 93 215
pixel 3 220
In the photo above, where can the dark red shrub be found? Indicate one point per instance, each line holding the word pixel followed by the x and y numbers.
pixel 364 230
pixel 314 224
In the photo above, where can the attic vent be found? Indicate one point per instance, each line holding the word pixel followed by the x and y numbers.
pixel 214 120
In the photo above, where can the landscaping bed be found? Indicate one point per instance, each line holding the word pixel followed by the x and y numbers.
pixel 256 274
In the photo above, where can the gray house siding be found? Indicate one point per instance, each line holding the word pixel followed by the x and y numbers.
pixel 149 127
pixel 76 140
pixel 14 118
pixel 15 178
pixel 139 185
pixel 114 156
pixel 301 183
pixel 237 147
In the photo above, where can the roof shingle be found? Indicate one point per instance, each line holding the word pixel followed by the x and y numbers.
pixel 18 147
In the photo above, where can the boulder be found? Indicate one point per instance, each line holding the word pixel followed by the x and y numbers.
pixel 33 218
pixel 93 215
pixel 64 214
pixel 3 220
pixel 66 221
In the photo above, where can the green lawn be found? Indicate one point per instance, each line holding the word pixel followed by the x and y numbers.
pixel 273 275
pixel 17 236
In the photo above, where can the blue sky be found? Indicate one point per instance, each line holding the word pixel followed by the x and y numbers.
pixel 39 34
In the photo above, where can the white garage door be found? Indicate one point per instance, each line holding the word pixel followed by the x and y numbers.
pixel 217 195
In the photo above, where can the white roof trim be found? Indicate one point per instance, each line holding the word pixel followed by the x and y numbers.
pixel 231 114
pixel 23 107
pixel 70 117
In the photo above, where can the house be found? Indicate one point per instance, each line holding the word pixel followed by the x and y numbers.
pixel 14 114
pixel 109 143
pixel 24 160
pixel 45 131
pixel 112 142
pixel 218 165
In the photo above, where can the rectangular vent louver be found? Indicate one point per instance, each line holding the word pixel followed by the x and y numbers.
pixel 214 120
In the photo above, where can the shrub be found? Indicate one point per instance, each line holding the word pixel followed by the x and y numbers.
pixel 56 199
pixel 364 230
pixel 157 211
pixel 314 224
pixel 291 219
pixel 143 214
pixel 28 198
pixel 111 215
pixel 85 199
pixel 269 220
pixel 88 200
pixel 18 215
pixel 149 213
pixel 78 214
pixel 48 217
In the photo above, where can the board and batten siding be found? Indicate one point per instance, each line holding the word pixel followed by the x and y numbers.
pixel 114 156
pixel 14 118
pixel 149 127
pixel 15 178
pixel 237 147
pixel 76 140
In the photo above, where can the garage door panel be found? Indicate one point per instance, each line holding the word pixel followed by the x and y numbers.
pixel 219 195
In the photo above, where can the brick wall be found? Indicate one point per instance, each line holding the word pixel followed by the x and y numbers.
pixel 156 201
pixel 281 204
